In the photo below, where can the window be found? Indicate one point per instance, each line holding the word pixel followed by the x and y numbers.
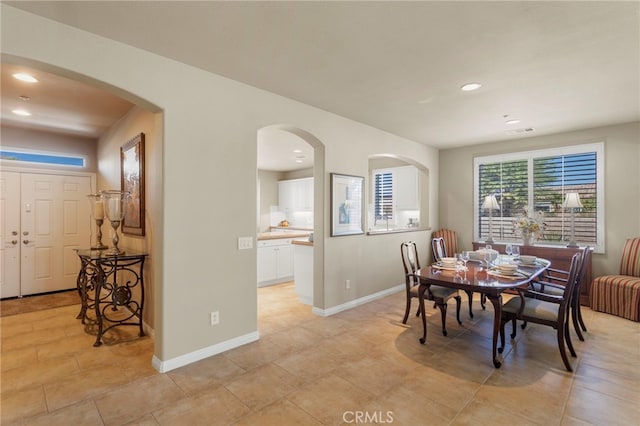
pixel 383 195
pixel 10 154
pixel 539 181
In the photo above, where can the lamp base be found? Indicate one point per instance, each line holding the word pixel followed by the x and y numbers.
pixel 489 240
pixel 573 244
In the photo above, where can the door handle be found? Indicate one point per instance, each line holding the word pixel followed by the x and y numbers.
pixel 14 242
pixel 14 233
pixel 26 242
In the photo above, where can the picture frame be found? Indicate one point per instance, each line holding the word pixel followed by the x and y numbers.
pixel 132 181
pixel 347 204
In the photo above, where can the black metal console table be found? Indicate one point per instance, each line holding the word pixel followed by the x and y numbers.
pixel 112 287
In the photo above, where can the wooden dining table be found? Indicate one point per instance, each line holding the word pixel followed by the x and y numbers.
pixel 478 279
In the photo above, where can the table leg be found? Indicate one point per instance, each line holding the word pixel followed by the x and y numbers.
pixel 421 290
pixel 99 283
pixel 496 301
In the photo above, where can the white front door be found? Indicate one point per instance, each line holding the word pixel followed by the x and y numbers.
pixel 10 240
pixel 52 220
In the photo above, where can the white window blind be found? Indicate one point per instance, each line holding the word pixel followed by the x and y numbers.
pixel 541 179
pixel 383 196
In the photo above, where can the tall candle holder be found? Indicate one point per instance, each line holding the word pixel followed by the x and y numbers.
pixel 114 203
pixel 96 205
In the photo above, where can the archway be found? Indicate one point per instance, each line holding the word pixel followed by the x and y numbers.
pixel 318 206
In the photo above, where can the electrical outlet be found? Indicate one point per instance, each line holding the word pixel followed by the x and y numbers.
pixel 347 284
pixel 215 318
pixel 245 243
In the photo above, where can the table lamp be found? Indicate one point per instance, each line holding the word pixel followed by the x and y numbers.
pixel 572 202
pixel 490 203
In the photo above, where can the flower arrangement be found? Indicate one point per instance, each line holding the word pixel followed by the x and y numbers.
pixel 528 226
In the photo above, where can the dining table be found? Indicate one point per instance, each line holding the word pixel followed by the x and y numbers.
pixel 478 278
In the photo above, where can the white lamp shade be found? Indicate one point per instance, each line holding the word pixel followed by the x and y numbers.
pixel 490 202
pixel 572 201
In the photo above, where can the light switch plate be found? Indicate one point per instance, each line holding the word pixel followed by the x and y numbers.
pixel 245 243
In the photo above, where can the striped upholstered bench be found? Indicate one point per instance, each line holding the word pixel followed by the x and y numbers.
pixel 620 294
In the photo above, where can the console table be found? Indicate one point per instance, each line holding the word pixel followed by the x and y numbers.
pixel 560 258
pixel 111 287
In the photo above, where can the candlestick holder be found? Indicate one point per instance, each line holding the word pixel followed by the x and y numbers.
pixel 96 205
pixel 114 203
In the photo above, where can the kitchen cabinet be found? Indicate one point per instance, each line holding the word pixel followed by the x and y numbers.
pixel 295 195
pixel 275 261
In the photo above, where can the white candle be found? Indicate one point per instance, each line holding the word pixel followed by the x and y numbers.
pixel 99 209
pixel 114 208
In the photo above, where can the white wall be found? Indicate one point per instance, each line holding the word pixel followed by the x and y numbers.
pixel 622 184
pixel 209 152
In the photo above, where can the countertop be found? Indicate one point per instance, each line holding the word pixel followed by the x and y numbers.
pixel 302 242
pixel 281 235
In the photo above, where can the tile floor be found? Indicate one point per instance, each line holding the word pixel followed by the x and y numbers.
pixel 359 366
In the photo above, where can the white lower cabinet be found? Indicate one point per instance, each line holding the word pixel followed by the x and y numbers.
pixel 275 261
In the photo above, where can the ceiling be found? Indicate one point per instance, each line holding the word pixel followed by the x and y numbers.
pixel 398 66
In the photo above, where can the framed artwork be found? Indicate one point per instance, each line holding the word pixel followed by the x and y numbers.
pixel 132 181
pixel 347 204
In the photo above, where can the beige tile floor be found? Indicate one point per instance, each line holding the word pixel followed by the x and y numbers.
pixel 307 370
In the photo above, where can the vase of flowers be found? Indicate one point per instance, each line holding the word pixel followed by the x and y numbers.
pixel 529 227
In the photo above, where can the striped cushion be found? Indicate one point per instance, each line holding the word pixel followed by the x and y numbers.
pixel 450 240
pixel 630 262
pixel 617 295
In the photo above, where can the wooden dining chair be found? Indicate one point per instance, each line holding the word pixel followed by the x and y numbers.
pixel 559 276
pixel 546 309
pixel 439 295
pixel 446 238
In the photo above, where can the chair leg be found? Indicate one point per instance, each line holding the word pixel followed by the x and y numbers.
pixel 513 328
pixel 470 294
pixel 502 323
pixel 483 301
pixel 418 311
pixel 584 327
pixel 567 337
pixel 458 302
pixel 523 325
pixel 563 352
pixel 443 314
pixel 576 326
pixel 408 309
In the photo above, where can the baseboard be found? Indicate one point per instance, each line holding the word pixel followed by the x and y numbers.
pixel 357 302
pixel 182 360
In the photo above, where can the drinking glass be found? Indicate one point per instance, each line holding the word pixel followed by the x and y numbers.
pixel 508 249
pixel 464 257
pixel 515 251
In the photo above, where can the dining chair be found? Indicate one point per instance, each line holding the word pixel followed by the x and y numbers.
pixel 559 276
pixel 545 309
pixel 439 295
pixel 444 244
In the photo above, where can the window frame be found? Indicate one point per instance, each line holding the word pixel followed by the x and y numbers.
pixel 41 153
pixel 529 156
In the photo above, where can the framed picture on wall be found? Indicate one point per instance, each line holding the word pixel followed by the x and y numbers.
pixel 132 181
pixel 347 205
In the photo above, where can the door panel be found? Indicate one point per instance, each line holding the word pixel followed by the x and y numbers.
pixel 53 208
pixel 10 238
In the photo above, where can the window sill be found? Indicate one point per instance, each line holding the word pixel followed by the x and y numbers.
pixel 396 231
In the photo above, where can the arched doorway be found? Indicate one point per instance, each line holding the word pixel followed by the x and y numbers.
pixel 317 172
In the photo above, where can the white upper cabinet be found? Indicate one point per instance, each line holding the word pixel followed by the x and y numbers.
pixel 295 195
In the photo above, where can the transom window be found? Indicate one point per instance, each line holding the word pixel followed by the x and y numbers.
pixel 535 184
pixel 11 154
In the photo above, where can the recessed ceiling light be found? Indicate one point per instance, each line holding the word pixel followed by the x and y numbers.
pixel 514 121
pixel 24 98
pixel 21 112
pixel 297 151
pixel 298 160
pixel 470 86
pixel 25 77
